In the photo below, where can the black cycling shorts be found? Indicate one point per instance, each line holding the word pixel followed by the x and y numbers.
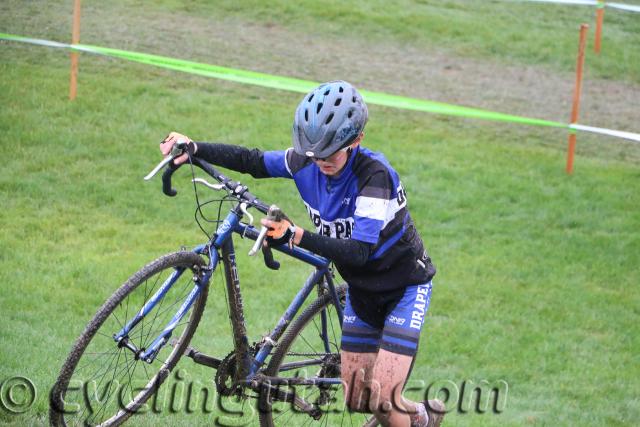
pixel 391 320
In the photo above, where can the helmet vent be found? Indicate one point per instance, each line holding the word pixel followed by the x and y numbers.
pixel 329 118
pixel 326 118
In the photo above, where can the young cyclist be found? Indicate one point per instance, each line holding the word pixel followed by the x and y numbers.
pixel 359 209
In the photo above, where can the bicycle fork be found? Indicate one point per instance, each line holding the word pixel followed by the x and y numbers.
pixel 149 354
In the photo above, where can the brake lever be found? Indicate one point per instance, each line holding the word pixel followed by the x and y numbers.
pixel 267 254
pixel 258 244
pixel 160 165
pixel 177 150
pixel 274 214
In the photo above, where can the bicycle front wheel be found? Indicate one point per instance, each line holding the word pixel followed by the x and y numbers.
pixel 309 351
pixel 104 383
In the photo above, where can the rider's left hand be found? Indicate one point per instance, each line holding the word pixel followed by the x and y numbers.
pixel 281 232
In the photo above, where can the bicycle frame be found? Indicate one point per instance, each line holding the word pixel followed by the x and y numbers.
pixel 221 246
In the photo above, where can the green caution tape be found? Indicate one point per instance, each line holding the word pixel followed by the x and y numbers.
pixel 216 71
pixel 304 86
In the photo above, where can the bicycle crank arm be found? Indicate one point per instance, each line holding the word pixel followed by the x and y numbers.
pixel 286 396
pixel 201 358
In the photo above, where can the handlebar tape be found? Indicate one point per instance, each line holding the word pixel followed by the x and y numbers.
pixel 166 180
pixel 268 258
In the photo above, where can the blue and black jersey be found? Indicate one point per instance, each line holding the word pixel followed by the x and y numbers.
pixel 366 202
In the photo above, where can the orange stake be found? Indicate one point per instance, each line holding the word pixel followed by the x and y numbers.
pixel 599 20
pixel 576 96
pixel 75 39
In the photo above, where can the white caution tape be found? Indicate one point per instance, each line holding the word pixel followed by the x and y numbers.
pixel 489 115
pixel 41 42
pixel 577 2
pixel 628 7
pixel 621 6
pixel 617 133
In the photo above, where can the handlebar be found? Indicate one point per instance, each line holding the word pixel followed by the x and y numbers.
pixel 233 188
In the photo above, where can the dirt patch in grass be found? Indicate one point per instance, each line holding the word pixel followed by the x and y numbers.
pixel 399 68
pixel 389 66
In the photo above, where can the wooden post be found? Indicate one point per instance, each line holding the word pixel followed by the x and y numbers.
pixel 75 39
pixel 599 21
pixel 576 96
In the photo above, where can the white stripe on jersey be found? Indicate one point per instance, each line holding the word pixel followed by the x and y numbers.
pixel 371 207
pixel 394 207
pixel 381 209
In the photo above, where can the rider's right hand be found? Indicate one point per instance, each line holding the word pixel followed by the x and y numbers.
pixel 167 144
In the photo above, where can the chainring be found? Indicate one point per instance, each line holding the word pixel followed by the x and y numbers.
pixel 225 374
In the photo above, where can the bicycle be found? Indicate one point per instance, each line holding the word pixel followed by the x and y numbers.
pixel 129 348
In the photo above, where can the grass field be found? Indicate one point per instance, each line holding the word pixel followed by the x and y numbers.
pixel 538 271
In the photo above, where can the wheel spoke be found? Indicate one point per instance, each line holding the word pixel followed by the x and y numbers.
pixel 307 339
pixel 159 311
pixel 111 372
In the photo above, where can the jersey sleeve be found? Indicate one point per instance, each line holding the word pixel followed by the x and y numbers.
pixel 276 164
pixel 233 157
pixel 372 206
pixel 285 164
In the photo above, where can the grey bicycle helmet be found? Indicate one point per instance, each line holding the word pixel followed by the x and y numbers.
pixel 329 118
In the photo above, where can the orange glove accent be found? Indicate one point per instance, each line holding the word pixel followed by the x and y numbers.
pixel 284 233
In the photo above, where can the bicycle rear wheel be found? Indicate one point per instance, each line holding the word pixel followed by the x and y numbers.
pixel 309 350
pixel 102 383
